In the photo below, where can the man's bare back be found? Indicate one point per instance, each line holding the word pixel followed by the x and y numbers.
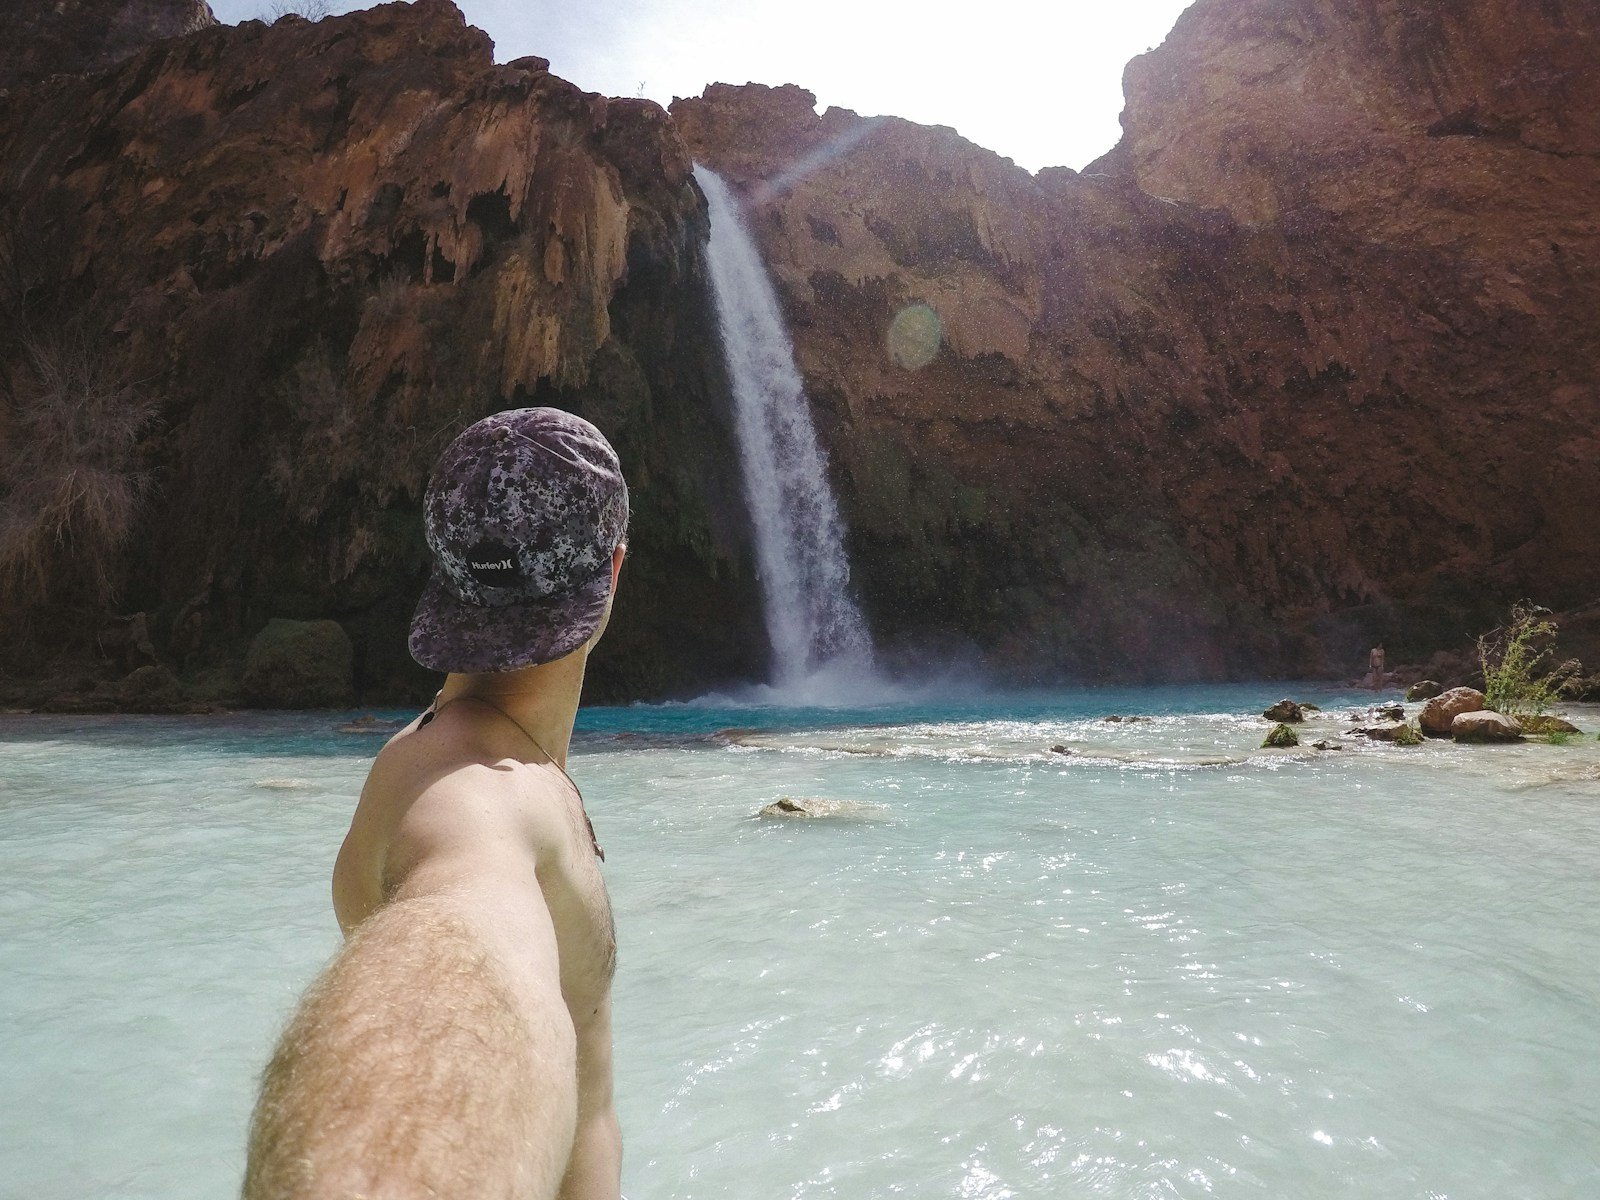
pixel 460 1043
pixel 466 807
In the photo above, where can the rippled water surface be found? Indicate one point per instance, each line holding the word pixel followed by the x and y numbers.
pixel 1155 962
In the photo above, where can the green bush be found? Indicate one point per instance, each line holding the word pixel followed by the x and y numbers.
pixel 1518 678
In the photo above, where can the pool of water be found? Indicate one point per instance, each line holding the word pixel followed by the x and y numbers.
pixel 1163 964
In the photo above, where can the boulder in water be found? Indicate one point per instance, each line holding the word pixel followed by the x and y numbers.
pixel 1285 710
pixel 1281 738
pixel 1389 712
pixel 1438 714
pixel 1424 689
pixel 1485 725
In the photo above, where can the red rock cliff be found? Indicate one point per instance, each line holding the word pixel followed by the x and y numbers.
pixel 309 254
pixel 1308 361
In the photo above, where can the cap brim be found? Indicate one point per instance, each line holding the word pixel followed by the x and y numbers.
pixel 448 634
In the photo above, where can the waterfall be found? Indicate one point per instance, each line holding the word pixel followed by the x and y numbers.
pixel 813 624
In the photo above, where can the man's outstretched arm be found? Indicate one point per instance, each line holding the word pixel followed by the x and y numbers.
pixel 419 1066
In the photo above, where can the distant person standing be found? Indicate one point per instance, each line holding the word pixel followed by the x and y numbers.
pixel 1377 670
pixel 459 1046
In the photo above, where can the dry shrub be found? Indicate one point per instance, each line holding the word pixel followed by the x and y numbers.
pixel 70 487
pixel 311 10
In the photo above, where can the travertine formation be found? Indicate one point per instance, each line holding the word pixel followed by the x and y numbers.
pixel 1308 362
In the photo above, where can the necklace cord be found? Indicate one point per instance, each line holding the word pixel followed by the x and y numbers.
pixel 435 708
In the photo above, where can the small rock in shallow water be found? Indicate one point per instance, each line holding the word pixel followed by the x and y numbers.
pixel 1389 712
pixel 1059 750
pixel 1424 689
pixel 1113 718
pixel 370 724
pixel 813 807
pixel 1281 738
pixel 1398 732
pixel 1325 745
pixel 1285 710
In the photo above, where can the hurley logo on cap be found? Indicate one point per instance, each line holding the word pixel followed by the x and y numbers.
pixel 493 565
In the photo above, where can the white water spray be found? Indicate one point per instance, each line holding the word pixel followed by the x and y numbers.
pixel 817 633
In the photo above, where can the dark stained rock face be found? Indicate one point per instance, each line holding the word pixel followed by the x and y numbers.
pixel 69 37
pixel 318 251
pixel 1306 364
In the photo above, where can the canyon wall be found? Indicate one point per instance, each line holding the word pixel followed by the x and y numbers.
pixel 1306 362
pixel 293 261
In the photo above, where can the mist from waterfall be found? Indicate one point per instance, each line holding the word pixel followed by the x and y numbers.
pixel 820 644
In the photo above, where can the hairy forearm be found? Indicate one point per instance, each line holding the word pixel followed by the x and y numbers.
pixel 418 1066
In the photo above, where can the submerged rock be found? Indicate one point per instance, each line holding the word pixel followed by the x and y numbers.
pixel 1438 715
pixel 1424 689
pixel 816 808
pixel 1389 712
pixel 1281 738
pixel 370 724
pixel 1285 710
pixel 1485 725
pixel 1326 745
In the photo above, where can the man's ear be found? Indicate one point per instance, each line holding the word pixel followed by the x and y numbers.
pixel 616 563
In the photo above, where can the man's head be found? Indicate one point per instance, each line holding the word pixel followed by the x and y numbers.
pixel 524 514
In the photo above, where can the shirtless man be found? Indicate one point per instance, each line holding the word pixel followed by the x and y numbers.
pixel 459 1047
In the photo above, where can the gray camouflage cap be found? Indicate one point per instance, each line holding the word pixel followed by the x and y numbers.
pixel 522 514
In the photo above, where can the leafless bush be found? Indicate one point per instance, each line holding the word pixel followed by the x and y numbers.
pixel 311 10
pixel 69 484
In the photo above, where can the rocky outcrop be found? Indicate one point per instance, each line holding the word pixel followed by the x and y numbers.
pixel 1285 710
pixel 1437 716
pixel 1424 689
pixel 69 37
pixel 1306 364
pixel 313 252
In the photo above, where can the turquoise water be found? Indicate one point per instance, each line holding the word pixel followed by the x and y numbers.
pixel 1166 964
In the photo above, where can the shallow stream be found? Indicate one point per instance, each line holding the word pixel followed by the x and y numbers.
pixel 1164 964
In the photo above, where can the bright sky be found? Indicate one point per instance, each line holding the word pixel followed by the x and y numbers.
pixel 1037 81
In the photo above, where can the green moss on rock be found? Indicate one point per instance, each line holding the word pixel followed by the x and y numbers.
pixel 1281 738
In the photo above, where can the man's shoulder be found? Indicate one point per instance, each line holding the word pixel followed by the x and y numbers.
pixel 412 770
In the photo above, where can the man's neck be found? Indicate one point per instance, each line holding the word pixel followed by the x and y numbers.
pixel 543 700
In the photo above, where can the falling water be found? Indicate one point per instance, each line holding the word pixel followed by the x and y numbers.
pixel 814 626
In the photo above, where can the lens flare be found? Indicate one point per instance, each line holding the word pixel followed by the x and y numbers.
pixel 914 336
